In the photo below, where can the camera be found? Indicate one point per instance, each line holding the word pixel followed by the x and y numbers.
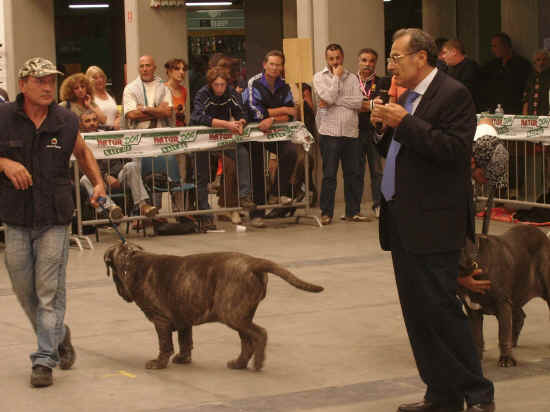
pixel 180 114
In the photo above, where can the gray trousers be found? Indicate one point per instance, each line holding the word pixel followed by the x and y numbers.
pixel 129 175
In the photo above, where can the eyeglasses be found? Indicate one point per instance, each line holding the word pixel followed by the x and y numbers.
pixel 397 57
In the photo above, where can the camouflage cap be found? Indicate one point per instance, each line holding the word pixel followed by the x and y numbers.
pixel 37 67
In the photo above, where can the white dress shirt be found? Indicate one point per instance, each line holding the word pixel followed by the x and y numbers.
pixel 344 98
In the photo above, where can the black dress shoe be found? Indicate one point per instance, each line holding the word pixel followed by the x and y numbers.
pixel 482 407
pixel 425 406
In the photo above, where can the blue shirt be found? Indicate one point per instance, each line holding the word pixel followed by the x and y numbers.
pixel 258 97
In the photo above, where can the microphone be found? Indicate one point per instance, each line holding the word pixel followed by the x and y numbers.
pixel 385 97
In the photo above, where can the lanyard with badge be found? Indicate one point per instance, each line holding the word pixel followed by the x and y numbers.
pixel 145 94
pixel 369 94
pixel 153 123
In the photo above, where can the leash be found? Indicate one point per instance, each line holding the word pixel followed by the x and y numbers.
pixel 487 217
pixel 486 222
pixel 485 230
pixel 102 202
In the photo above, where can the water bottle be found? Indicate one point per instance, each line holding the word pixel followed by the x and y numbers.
pixel 499 109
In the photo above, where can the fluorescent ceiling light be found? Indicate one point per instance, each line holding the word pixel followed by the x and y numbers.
pixel 89 6
pixel 209 3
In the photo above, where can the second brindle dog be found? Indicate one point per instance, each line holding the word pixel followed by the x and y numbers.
pixel 178 292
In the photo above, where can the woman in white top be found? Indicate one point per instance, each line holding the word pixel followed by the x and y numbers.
pixel 103 99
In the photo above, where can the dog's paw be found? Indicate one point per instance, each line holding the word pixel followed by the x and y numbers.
pixel 156 364
pixel 507 361
pixel 182 359
pixel 236 364
pixel 258 363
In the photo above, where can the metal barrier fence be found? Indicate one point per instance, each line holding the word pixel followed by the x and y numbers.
pixel 527 175
pixel 527 139
pixel 182 164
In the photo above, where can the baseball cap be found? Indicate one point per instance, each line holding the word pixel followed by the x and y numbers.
pixel 37 67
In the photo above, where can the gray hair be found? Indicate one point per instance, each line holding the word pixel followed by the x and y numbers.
pixel 542 51
pixel 419 40
pixel 546 55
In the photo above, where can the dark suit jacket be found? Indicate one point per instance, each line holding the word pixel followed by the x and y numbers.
pixel 433 204
pixel 504 85
pixel 467 72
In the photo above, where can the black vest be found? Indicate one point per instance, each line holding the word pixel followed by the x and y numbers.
pixel 45 153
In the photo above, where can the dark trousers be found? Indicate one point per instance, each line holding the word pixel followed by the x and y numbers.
pixel 333 151
pixel 286 159
pixel 439 332
pixel 369 153
pixel 202 166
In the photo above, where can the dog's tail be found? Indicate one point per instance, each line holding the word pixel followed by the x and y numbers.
pixel 267 266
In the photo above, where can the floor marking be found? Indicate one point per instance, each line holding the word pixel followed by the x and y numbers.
pixel 123 373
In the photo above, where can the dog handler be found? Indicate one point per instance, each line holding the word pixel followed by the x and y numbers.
pixel 37 137
pixel 489 166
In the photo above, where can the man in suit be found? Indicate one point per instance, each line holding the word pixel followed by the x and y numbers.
pixel 426 214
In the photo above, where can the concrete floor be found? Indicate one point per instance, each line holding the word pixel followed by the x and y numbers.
pixel 344 350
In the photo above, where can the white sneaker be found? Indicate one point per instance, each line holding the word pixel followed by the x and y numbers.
pixel 285 200
pixel 236 218
pixel 257 222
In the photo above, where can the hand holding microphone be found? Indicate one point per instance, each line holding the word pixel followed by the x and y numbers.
pixel 389 115
pixel 384 98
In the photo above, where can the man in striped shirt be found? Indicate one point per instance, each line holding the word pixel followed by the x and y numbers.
pixel 338 122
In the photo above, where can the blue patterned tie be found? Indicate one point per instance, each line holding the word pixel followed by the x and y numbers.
pixel 388 179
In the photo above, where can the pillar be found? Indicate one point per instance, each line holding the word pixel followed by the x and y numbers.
pixel 354 24
pixel 159 32
pixel 29 32
pixel 520 20
pixel 439 18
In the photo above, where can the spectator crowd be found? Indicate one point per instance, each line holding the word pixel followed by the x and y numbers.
pixel 255 174
pixel 423 194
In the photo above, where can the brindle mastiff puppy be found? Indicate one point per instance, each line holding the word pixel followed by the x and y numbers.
pixel 178 292
pixel 518 265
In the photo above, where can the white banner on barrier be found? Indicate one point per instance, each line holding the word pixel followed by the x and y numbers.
pixel 175 140
pixel 517 127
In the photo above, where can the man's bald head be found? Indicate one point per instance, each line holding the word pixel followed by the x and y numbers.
pixel 147 68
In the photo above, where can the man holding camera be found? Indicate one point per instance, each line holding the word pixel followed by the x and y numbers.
pixel 337 118
pixel 371 86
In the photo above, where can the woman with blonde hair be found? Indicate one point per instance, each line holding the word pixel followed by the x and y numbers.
pixel 102 98
pixel 77 95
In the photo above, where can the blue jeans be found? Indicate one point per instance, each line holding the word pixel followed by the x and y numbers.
pixel 243 167
pixel 36 260
pixel 369 153
pixel 333 151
